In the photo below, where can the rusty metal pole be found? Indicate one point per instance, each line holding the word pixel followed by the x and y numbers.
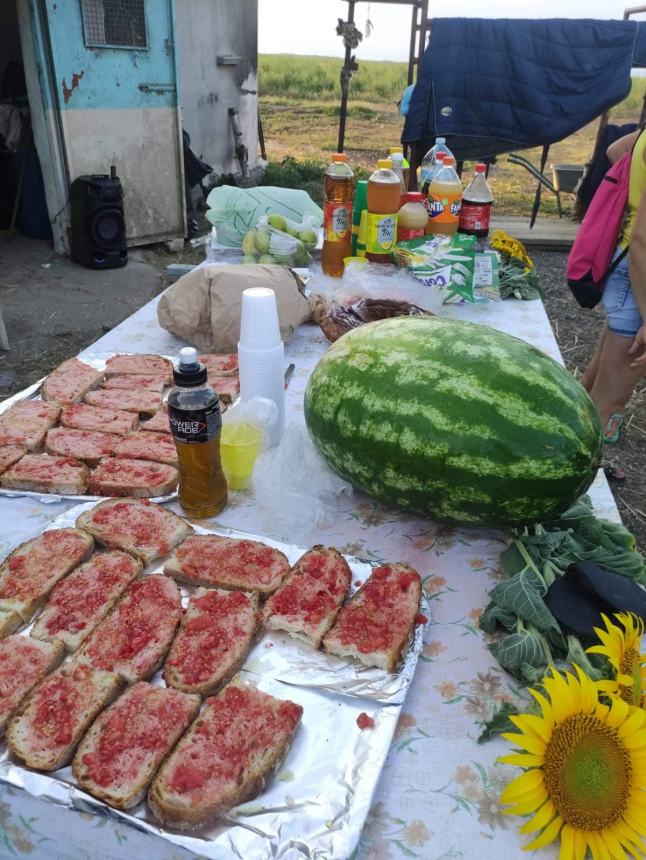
pixel 346 74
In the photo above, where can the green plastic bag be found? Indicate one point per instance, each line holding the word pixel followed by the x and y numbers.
pixel 234 211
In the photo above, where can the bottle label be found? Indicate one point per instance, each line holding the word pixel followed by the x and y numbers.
pixel 445 208
pixel 195 426
pixel 475 216
pixel 405 235
pixel 337 220
pixel 381 233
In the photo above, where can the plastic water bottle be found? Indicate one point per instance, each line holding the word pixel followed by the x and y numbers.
pixel 430 163
pixel 477 200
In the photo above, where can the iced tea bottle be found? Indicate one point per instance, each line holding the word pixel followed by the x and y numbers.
pixel 338 192
pixel 196 422
pixel 384 192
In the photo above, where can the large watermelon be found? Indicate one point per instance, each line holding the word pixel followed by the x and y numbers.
pixel 453 420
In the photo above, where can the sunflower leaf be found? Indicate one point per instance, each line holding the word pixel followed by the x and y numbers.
pixel 523 595
pixel 494 615
pixel 499 722
pixel 517 648
pixel 511 561
pixel 532 674
pixel 576 654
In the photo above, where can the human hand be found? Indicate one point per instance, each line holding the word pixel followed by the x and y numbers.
pixel 638 349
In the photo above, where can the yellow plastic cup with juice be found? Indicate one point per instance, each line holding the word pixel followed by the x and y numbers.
pixel 239 448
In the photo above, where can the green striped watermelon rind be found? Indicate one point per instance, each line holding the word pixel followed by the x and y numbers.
pixel 492 430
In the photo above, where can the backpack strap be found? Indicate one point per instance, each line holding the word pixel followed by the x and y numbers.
pixel 623 254
pixel 614 264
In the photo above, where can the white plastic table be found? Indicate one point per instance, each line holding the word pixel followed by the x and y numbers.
pixel 436 798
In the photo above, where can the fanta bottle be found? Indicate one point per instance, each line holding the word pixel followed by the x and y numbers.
pixel 444 200
pixel 384 192
pixel 338 191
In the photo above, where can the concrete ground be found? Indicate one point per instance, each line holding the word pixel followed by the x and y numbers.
pixel 53 307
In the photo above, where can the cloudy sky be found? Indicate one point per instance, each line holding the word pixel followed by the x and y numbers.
pixel 308 26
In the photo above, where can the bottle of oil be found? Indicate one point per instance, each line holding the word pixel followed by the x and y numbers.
pixel 338 190
pixel 196 422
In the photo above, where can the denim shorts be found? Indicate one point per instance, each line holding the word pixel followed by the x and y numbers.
pixel 619 302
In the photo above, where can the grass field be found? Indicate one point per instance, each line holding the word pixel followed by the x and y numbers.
pixel 299 106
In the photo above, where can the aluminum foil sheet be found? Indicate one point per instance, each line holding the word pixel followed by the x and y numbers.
pixel 33 392
pixel 317 803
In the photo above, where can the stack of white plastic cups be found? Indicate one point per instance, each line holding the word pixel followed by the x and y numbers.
pixel 261 354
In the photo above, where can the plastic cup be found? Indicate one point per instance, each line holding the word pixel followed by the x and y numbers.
pixel 262 374
pixel 239 448
pixel 259 328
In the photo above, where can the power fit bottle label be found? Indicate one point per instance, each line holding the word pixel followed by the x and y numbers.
pixel 195 426
pixel 337 219
pixel 381 233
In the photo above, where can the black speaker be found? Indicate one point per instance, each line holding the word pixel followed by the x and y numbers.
pixel 98 227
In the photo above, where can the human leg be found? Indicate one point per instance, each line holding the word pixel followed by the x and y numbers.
pixel 590 373
pixel 615 379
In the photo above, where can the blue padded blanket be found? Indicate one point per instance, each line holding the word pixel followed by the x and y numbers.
pixel 492 86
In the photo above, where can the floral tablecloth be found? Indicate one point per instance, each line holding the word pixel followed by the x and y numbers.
pixel 437 796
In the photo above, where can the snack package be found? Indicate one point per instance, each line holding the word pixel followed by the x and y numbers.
pixel 444 262
pixel 233 211
pixel 276 240
pixel 486 277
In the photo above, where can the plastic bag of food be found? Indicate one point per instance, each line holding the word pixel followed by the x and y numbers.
pixel 276 241
pixel 233 211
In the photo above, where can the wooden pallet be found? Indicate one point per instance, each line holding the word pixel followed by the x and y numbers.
pixel 551 234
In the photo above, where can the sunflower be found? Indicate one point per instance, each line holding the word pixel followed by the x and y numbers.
pixel 622 648
pixel 585 771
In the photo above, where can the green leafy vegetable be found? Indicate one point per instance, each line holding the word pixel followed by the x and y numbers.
pixel 532 561
pixel 523 595
pixel 516 282
pixel 523 647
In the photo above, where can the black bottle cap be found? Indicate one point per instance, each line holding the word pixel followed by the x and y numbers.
pixel 189 372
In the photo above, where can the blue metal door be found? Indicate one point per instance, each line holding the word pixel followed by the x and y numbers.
pixel 113 73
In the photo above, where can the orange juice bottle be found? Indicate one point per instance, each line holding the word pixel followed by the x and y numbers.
pixel 384 192
pixel 444 200
pixel 338 191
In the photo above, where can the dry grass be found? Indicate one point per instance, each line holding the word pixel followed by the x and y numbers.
pixel 300 109
pixel 308 131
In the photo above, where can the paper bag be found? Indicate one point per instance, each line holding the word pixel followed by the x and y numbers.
pixel 203 306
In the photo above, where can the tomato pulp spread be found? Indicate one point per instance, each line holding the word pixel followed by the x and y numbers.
pixel 235 728
pixel 136 733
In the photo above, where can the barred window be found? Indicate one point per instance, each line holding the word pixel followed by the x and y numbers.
pixel 114 23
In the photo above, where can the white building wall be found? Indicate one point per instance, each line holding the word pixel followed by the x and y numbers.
pixel 205 31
